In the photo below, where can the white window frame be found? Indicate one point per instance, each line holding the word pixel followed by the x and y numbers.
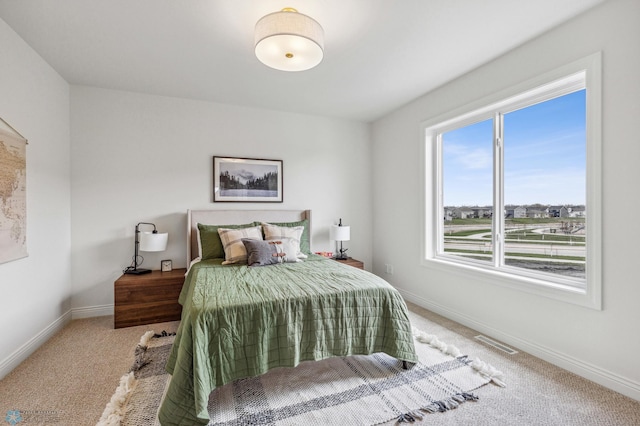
pixel 585 72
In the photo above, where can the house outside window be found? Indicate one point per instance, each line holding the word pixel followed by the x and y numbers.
pixel 512 186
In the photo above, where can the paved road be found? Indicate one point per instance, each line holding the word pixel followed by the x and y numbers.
pixel 541 249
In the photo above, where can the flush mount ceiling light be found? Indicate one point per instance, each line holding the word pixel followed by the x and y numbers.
pixel 289 41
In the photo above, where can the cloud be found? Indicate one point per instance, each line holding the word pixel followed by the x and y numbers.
pixel 245 174
pixel 471 159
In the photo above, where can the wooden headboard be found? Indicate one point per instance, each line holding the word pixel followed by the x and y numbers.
pixel 236 217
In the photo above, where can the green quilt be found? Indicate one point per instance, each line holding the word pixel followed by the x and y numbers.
pixel 240 321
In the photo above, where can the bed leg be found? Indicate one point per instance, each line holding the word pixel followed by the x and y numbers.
pixel 406 365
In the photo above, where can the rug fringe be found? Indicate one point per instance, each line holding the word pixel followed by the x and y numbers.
pixel 163 333
pixel 484 369
pixel 144 340
pixel 489 372
pixel 114 411
pixel 449 403
pixel 434 342
pixel 410 417
pixel 437 407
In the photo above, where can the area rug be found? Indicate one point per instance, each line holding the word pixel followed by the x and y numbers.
pixel 362 390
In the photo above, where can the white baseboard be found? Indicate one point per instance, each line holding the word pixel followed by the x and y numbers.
pixel 92 311
pixel 594 373
pixel 23 352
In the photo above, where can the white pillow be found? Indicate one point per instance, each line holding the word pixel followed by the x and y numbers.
pixel 294 234
pixel 290 248
pixel 234 250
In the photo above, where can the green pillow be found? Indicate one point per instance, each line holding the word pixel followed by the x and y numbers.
pixel 305 246
pixel 210 243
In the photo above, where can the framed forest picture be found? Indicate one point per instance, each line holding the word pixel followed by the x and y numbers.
pixel 247 180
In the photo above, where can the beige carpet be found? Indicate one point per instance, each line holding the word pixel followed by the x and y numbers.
pixel 70 379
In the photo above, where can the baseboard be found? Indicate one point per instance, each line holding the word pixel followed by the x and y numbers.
pixel 591 372
pixel 92 311
pixel 23 352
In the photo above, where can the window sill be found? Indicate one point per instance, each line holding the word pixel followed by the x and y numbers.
pixel 538 287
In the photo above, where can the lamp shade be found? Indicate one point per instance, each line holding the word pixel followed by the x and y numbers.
pixel 150 241
pixel 340 233
pixel 289 41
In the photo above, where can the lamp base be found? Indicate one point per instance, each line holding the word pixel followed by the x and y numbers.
pixel 137 271
pixel 342 254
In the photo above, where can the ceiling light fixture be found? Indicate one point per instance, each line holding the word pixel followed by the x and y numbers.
pixel 289 41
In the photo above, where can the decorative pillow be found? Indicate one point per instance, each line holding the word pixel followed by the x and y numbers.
pixel 234 251
pixel 305 246
pixel 261 253
pixel 209 244
pixel 294 234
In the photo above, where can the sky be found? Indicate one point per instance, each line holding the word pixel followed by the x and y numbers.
pixel 544 156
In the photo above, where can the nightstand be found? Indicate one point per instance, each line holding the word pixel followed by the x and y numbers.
pixel 351 262
pixel 147 298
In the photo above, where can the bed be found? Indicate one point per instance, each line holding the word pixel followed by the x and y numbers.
pixel 241 321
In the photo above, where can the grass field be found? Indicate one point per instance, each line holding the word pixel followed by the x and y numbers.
pixel 529 243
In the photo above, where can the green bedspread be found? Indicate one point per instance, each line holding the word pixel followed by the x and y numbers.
pixel 240 321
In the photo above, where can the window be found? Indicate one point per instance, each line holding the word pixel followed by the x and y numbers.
pixel 513 186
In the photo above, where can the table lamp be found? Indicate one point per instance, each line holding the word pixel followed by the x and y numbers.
pixel 146 241
pixel 340 233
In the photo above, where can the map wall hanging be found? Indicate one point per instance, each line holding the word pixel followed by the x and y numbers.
pixel 13 196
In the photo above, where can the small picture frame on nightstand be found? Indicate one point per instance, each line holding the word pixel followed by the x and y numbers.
pixel 165 265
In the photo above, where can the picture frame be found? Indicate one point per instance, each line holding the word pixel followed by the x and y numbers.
pixel 247 180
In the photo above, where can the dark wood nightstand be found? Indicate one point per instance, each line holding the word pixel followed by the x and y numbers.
pixel 351 262
pixel 147 298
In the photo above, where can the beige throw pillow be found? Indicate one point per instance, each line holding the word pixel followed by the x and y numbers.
pixel 234 250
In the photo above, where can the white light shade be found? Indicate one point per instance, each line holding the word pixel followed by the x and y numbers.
pixel 340 233
pixel 289 41
pixel 153 242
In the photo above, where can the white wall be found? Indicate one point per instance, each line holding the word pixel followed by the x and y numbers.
pixel 148 158
pixel 602 345
pixel 36 291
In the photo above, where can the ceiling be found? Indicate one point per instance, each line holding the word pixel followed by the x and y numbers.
pixel 379 54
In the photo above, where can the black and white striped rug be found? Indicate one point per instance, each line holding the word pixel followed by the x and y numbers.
pixel 360 390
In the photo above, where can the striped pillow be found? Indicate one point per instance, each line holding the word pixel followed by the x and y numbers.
pixel 234 250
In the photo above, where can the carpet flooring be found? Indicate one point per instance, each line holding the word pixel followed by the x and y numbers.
pixel 70 379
